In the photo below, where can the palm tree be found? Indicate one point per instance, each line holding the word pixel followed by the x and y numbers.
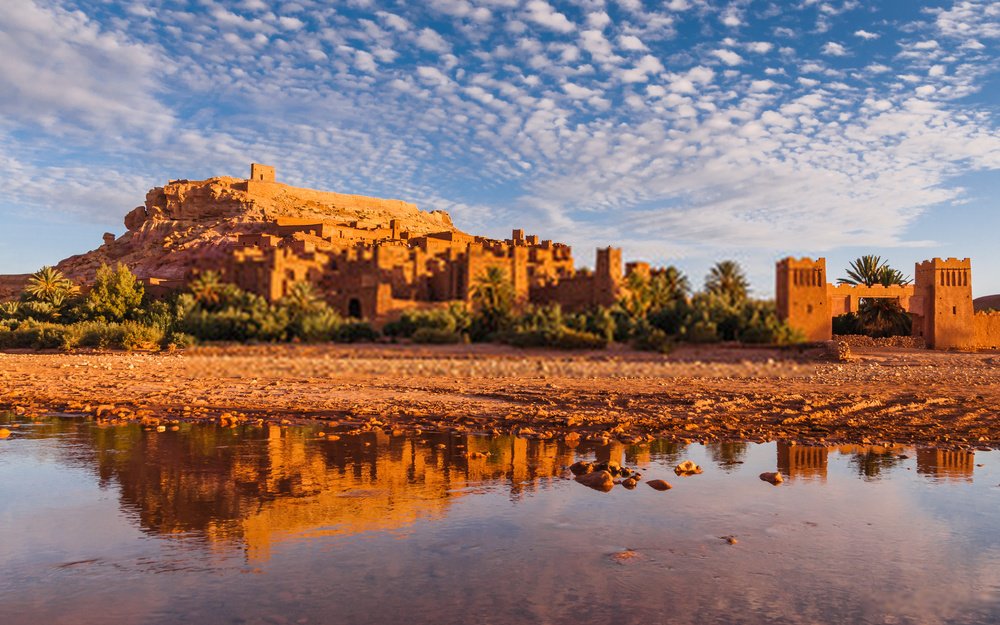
pixel 670 285
pixel 303 298
pixel 493 301
pixel 48 284
pixel 207 288
pixel 727 280
pixel 878 316
pixel 870 270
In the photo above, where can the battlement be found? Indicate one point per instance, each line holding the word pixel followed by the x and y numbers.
pixel 805 262
pixel 948 263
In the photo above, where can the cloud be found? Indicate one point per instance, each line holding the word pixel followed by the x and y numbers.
pixel 647 65
pixel 62 71
pixel 760 47
pixel 728 57
pixel 430 40
pixel 542 13
pixel 832 48
pixel 864 34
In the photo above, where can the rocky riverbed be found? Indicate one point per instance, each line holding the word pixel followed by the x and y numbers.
pixel 878 395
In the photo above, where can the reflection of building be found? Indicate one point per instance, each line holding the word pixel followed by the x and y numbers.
pixel 262 486
pixel 802 461
pixel 951 464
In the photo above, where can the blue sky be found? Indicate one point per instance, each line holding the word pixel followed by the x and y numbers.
pixel 684 131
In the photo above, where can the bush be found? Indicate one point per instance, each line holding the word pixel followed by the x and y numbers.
pixel 316 327
pixel 435 336
pixel 115 296
pixel 703 332
pixel 138 336
pixel 39 335
pixel 178 340
pixel 451 320
pixel 99 334
pixel 653 339
pixel 355 332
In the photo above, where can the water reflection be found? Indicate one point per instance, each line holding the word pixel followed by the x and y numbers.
pixel 280 524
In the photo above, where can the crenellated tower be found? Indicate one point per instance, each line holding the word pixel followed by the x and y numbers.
pixel 944 288
pixel 802 298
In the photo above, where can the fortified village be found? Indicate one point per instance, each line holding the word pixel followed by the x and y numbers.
pixel 369 258
pixel 375 258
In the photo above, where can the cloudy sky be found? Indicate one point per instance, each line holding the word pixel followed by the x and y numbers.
pixel 684 131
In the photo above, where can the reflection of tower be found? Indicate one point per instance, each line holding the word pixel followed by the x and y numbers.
pixel 611 452
pixel 803 461
pixel 957 465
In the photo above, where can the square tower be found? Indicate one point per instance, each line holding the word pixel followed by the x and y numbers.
pixel 944 288
pixel 802 298
pixel 261 173
pixel 607 276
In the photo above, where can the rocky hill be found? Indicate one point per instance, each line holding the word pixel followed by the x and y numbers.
pixel 987 302
pixel 186 223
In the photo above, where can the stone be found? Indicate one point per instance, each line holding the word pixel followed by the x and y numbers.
pixel 659 485
pixel 774 478
pixel 4 433
pixel 687 468
pixel 581 467
pixel 598 480
pixel 630 483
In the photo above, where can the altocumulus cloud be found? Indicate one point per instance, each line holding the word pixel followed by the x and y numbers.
pixel 678 128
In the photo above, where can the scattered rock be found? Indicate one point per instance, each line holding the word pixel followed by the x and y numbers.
pixel 687 468
pixel 4 433
pixel 627 555
pixel 659 484
pixel 774 478
pixel 599 480
pixel 581 467
pixel 729 539
pixel 630 483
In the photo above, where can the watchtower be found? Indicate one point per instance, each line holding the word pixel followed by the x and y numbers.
pixel 607 276
pixel 802 298
pixel 945 288
pixel 261 173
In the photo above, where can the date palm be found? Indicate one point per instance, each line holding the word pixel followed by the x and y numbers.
pixel 727 280
pixel 48 284
pixel 878 316
pixel 207 288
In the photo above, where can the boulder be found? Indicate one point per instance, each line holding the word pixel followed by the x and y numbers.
pixel 774 478
pixel 599 480
pixel 659 484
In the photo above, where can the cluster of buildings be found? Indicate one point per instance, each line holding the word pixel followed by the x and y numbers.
pixel 376 271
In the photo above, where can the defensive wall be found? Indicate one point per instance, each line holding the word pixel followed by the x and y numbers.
pixel 939 301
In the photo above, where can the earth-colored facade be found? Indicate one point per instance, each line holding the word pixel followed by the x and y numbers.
pixel 939 300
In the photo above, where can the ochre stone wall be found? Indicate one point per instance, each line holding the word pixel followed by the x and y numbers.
pixel 987 330
pixel 939 300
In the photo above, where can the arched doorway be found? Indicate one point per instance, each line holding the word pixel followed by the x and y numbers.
pixel 354 308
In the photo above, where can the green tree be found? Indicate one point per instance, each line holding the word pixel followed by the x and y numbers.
pixel 115 296
pixel 49 285
pixel 727 281
pixel 492 302
pixel 207 289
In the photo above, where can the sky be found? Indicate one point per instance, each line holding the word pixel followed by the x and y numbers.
pixel 683 131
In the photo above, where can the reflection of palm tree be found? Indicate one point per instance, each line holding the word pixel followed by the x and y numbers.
pixel 870 463
pixel 727 280
pixel 727 454
pixel 493 300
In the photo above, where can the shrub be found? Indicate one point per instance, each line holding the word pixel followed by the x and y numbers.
pixel 452 320
pixel 99 334
pixel 315 327
pixel 138 336
pixel 703 332
pixel 39 335
pixel 355 332
pixel 115 296
pixel 435 336
pixel 178 340
pixel 653 339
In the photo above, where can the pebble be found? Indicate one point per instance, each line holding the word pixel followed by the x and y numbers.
pixel 659 484
pixel 774 478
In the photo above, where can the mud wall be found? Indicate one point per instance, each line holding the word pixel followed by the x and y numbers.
pixel 987 328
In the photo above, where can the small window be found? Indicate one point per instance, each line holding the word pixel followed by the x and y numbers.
pixel 954 310
pixel 809 308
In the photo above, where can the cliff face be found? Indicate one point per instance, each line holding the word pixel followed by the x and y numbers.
pixel 187 223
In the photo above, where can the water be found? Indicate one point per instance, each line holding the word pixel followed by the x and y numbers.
pixel 279 525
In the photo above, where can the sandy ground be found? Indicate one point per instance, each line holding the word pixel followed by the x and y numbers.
pixel 698 394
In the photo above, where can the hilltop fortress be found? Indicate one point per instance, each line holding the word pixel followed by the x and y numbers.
pixel 369 258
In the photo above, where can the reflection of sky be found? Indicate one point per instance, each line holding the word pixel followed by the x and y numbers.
pixel 900 548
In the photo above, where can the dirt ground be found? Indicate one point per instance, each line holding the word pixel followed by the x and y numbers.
pixel 697 394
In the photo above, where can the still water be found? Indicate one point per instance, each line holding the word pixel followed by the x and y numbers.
pixel 279 525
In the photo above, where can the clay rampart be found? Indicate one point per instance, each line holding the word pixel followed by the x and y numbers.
pixel 987 330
